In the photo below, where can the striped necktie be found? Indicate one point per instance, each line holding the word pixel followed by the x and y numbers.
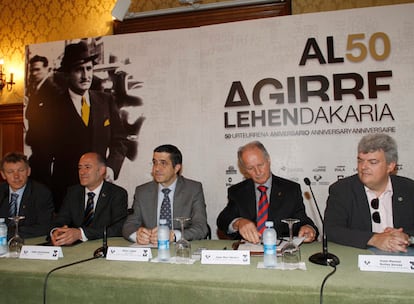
pixel 89 212
pixel 263 206
pixel 13 204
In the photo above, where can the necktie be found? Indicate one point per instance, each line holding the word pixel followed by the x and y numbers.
pixel 88 215
pixel 13 204
pixel 165 212
pixel 85 111
pixel 263 206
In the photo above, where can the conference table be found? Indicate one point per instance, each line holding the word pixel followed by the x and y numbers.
pixel 107 281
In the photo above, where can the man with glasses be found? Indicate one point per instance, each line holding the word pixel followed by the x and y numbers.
pixel 374 207
pixel 263 196
pixel 168 196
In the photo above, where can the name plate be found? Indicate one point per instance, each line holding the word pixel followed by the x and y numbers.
pixel 386 263
pixel 229 257
pixel 41 252
pixel 129 254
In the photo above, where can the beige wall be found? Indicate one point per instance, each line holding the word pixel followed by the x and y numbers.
pixel 24 22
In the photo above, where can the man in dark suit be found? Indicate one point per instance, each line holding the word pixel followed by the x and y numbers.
pixel 33 200
pixel 243 217
pixel 184 198
pixel 374 207
pixel 91 206
pixel 42 94
pixel 85 121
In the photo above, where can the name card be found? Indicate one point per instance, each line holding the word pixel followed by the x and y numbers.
pixel 386 263
pixel 230 257
pixel 41 252
pixel 129 254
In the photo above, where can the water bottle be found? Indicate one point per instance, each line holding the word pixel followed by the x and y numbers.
pixel 163 241
pixel 269 245
pixel 3 237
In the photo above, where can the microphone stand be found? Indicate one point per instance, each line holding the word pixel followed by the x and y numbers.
pixel 102 251
pixel 322 258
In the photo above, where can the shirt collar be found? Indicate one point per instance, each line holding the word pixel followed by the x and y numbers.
pixel 97 190
pixel 19 191
pixel 388 189
pixel 171 187
pixel 76 98
pixel 268 183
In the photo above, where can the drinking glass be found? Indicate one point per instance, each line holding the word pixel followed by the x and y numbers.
pixel 16 242
pixel 291 252
pixel 182 246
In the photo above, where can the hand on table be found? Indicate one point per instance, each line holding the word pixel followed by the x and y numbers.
pixel 308 232
pixel 247 230
pixel 392 240
pixel 65 236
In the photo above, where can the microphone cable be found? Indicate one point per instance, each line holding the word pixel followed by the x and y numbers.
pixel 60 267
pixel 333 265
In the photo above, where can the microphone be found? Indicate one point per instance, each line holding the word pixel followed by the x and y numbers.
pixel 102 251
pixel 322 258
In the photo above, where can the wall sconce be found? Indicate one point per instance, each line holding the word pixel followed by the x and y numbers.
pixel 3 82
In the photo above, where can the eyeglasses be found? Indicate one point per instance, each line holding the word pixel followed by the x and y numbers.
pixel 161 163
pixel 375 216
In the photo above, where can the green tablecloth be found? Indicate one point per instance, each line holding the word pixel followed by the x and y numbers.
pixel 103 281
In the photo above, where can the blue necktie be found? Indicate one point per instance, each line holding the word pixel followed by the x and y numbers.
pixel 13 204
pixel 165 212
pixel 88 215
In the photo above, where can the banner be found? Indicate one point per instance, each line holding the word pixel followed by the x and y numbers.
pixel 307 86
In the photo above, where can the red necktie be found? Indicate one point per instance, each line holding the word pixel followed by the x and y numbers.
pixel 263 206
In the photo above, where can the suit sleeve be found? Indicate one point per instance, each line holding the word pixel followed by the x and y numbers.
pixel 198 229
pixel 42 212
pixel 113 216
pixel 339 217
pixel 134 220
pixel 228 214
pixel 65 216
pixel 300 213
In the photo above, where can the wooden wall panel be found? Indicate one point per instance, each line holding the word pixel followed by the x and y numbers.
pixel 11 128
pixel 202 17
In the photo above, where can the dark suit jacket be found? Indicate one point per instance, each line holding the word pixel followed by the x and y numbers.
pixel 188 202
pixel 348 217
pixel 104 135
pixel 286 201
pixel 111 209
pixel 38 112
pixel 36 206
pixel 40 118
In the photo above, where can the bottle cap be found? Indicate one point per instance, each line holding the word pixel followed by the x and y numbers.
pixel 163 222
pixel 269 224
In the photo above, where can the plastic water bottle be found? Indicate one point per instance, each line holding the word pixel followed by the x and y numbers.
pixel 3 237
pixel 269 245
pixel 163 241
